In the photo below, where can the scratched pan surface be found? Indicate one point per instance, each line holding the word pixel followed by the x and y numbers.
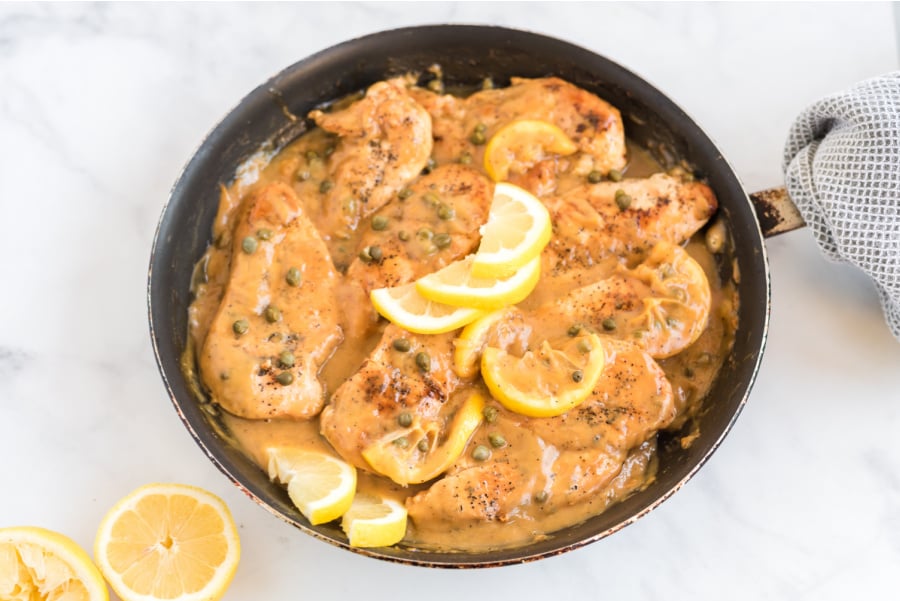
pixel 467 54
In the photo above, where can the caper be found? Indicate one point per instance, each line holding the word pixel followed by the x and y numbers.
pixel 249 244
pixel 376 253
pixel 404 193
pixel 423 445
pixel 490 414
pixel 311 154
pixel 481 453
pixel 609 324
pixel 615 175
pixel 577 375
pixel 573 331
pixel 285 378
pixel 446 212
pixel 623 199
pixel 365 254
pixel 584 346
pixel 465 158
pixel 240 327
pixel 431 199
pixel 541 496
pixel 379 223
pixel 272 314
pixel 403 235
pixel 442 240
pixel 666 271
pixel 595 177
pixel 326 186
pixel 424 234
pixel 497 441
pixel 402 345
pixel 286 359
pixel 405 419
pixel 478 138
pixel 481 128
pixel 329 151
pixel 293 276
pixel 423 361
pixel 264 234
pixel 401 442
pixel 303 176
pixel 436 86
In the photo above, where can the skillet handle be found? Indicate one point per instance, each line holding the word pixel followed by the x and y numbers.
pixel 776 212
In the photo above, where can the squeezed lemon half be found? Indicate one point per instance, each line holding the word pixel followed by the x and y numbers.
pixel 38 564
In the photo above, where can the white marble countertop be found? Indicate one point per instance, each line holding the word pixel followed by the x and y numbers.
pixel 101 105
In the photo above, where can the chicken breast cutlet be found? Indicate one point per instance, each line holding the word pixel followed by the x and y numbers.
pixel 277 321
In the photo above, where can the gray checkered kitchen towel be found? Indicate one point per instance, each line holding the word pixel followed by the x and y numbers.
pixel 842 170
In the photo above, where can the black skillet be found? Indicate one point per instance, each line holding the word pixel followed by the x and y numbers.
pixel 467 54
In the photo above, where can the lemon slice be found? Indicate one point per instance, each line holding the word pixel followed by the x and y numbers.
pixel 472 340
pixel 321 486
pixel 41 564
pixel 517 230
pixel 455 285
pixel 414 462
pixel 168 541
pixel 374 522
pixel 521 144
pixel 404 306
pixel 546 382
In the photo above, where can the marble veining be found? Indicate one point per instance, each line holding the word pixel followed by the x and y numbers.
pixel 102 104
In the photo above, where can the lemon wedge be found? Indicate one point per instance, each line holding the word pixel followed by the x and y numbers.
pixel 41 564
pixel 456 285
pixel 321 486
pixel 413 461
pixel 520 144
pixel 374 522
pixel 472 340
pixel 168 541
pixel 404 306
pixel 548 381
pixel 517 230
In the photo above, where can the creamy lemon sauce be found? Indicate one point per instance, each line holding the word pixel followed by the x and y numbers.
pixel 304 167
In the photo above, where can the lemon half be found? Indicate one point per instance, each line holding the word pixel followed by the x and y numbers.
pixel 168 541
